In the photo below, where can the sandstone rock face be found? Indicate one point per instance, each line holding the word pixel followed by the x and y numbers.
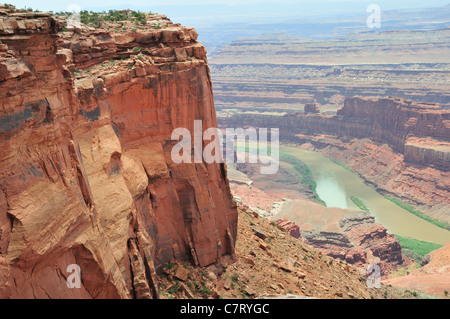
pixel 291 227
pixel 86 175
pixel 360 241
pixel 280 72
pixel 399 116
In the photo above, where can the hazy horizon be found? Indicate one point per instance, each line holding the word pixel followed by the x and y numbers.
pixel 302 7
pixel 219 22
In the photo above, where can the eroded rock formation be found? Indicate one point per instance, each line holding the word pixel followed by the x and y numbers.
pixel 359 241
pixel 86 175
pixel 408 142
pixel 280 72
pixel 420 131
pixel 291 227
pixel 311 108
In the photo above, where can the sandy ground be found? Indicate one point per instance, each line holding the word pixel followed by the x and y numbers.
pixel 433 278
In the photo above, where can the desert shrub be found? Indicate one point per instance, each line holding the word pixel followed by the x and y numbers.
pixel 419 247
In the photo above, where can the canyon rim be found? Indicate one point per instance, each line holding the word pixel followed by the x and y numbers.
pixel 86 172
pixel 120 176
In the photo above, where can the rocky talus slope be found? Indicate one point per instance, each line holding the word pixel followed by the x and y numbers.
pixel 270 263
pixel 345 234
pixel 86 175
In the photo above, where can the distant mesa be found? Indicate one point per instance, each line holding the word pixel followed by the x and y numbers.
pixel 311 108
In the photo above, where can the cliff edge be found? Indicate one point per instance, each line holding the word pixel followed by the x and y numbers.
pixel 86 176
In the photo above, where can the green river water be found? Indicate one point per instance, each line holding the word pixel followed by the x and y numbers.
pixel 335 185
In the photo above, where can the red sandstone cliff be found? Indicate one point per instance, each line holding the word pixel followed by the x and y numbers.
pixel 86 175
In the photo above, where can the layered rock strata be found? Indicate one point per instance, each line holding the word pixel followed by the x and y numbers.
pixel 291 227
pixel 408 142
pixel 420 131
pixel 359 241
pixel 86 175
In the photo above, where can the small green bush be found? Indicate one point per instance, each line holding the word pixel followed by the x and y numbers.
pixel 204 290
pixel 170 265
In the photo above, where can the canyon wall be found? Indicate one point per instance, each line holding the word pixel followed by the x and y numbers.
pixel 360 242
pixel 409 128
pixel 86 175
pixel 401 148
